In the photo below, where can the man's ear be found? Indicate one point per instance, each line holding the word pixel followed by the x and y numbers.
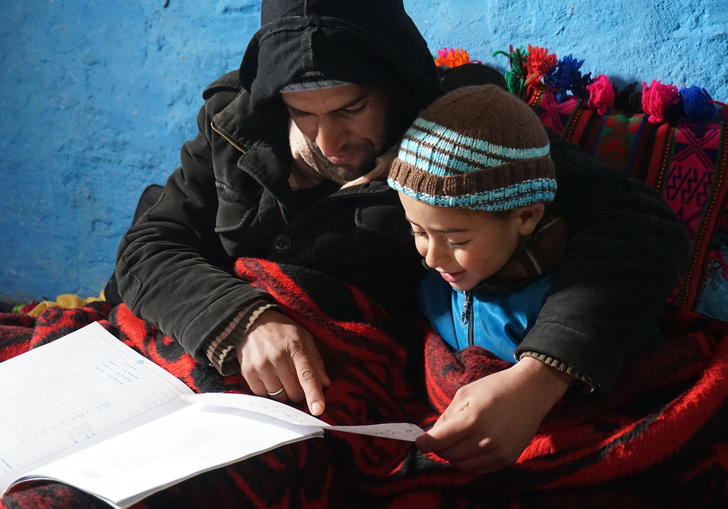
pixel 528 217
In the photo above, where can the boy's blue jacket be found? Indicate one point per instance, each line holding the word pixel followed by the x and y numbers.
pixel 496 319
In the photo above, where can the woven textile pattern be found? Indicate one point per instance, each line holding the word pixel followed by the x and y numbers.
pixel 686 162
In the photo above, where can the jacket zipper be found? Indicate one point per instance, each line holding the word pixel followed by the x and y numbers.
pixel 466 316
pixel 228 138
pixel 281 208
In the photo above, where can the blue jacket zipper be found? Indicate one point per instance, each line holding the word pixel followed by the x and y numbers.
pixel 466 316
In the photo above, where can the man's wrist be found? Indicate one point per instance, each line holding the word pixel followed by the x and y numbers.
pixel 581 383
pixel 551 383
pixel 221 352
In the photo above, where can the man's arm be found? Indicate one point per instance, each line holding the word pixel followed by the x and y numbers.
pixel 171 268
pixel 173 271
pixel 625 252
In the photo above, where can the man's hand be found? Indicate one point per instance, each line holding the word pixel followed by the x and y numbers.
pixel 279 353
pixel 380 170
pixel 490 421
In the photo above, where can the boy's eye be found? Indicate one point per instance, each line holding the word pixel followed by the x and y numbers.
pixel 416 233
pixel 452 243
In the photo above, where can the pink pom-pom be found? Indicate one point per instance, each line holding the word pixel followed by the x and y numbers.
pixel 656 98
pixel 601 94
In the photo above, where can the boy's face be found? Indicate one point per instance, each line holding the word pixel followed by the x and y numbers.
pixel 466 246
pixel 349 126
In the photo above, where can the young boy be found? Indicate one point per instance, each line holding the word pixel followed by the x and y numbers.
pixel 474 177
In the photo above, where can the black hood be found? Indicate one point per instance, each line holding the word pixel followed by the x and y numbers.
pixel 368 42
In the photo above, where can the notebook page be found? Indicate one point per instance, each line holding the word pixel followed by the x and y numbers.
pixel 63 395
pixel 193 439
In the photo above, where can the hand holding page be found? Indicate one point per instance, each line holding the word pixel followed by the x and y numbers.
pixel 89 411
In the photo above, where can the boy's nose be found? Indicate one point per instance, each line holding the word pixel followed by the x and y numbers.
pixel 436 256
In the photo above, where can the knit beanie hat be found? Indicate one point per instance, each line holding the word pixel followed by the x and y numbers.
pixel 477 147
pixel 312 80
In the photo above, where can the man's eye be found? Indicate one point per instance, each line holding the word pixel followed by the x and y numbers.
pixel 296 114
pixel 355 109
pixel 417 234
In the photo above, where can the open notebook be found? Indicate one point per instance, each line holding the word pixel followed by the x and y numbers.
pixel 88 411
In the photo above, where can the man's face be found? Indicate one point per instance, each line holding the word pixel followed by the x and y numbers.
pixel 348 126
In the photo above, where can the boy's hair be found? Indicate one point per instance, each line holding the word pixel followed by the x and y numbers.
pixel 478 148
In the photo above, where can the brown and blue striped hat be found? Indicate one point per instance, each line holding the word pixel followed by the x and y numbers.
pixel 478 147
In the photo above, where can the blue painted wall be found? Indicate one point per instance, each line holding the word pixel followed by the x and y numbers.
pixel 96 97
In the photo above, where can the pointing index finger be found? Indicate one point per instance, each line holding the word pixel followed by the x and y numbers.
pixel 310 380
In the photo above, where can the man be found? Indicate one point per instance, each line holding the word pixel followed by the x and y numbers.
pixel 288 166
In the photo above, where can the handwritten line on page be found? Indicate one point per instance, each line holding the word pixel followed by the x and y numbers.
pixel 91 412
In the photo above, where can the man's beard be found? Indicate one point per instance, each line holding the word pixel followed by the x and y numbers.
pixel 343 173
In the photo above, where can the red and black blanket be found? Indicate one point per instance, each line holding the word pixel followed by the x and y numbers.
pixel 659 439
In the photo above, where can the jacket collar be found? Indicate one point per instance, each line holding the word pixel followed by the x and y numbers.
pixel 247 129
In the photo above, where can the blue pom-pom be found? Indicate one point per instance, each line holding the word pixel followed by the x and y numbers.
pixel 696 105
pixel 565 76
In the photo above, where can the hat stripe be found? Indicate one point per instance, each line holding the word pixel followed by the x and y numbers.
pixel 427 158
pixel 428 128
pixel 505 198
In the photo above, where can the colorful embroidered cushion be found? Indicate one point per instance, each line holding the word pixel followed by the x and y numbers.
pixel 686 161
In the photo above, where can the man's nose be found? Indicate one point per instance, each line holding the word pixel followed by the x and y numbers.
pixel 331 137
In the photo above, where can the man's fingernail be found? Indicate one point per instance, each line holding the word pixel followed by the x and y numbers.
pixel 316 408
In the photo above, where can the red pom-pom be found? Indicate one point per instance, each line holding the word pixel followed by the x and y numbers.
pixel 539 63
pixel 656 98
pixel 601 94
